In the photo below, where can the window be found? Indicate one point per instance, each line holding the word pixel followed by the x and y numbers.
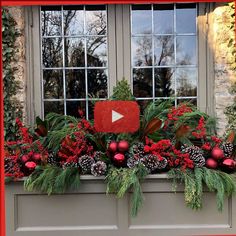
pixel 82 51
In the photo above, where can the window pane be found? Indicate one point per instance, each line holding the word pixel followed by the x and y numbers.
pixel 75 84
pixel 73 107
pixel 186 18
pixel 97 51
pixel 53 84
pixel 141 19
pixel 52 52
pixel 186 80
pixel 164 50
pixel 186 50
pixel 97 83
pixel 142 51
pixel 142 83
pixel 163 15
pixel 55 106
pixel 51 21
pixel 74 52
pixel 96 23
pixel 73 20
pixel 164 82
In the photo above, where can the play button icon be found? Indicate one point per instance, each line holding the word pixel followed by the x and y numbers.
pixel 116 116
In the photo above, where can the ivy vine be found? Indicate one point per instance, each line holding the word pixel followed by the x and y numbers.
pixel 11 87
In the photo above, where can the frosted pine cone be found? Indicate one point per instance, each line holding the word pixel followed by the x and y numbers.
pixel 98 156
pixel 227 149
pixel 151 162
pixel 162 164
pixel 70 165
pixel 9 165
pixel 138 149
pixel 99 168
pixel 85 162
pixel 53 159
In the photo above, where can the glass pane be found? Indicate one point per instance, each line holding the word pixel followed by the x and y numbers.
pixel 186 82
pixel 164 50
pixel 51 21
pixel 186 50
pixel 74 52
pixel 55 106
pixel 192 101
pixel 73 107
pixel 97 51
pixel 53 84
pixel 52 52
pixel 97 83
pixel 143 104
pixel 142 51
pixel 141 19
pixel 164 82
pixel 73 20
pixel 75 84
pixel 96 22
pixel 91 110
pixel 163 18
pixel 186 18
pixel 142 83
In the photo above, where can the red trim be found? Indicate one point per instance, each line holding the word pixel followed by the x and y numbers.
pixel 2 193
pixel 69 2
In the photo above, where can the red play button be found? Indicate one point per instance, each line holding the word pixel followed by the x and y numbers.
pixel 116 116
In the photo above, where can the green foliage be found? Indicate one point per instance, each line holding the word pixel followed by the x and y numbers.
pixel 51 179
pixel 120 181
pixel 12 107
pixel 122 91
pixel 217 181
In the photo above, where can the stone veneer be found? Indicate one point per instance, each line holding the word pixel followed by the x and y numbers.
pixel 223 74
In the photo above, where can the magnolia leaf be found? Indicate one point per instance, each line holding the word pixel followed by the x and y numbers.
pixel 152 126
pixel 231 137
pixel 182 131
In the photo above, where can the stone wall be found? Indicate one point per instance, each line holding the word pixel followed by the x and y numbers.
pixel 223 73
pixel 20 63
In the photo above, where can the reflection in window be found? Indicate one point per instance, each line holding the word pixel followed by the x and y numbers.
pixel 164 52
pixel 74 58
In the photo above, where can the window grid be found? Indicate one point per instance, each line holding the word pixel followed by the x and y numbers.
pixel 153 67
pixel 87 99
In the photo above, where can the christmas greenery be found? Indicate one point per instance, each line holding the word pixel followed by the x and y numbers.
pixel 180 141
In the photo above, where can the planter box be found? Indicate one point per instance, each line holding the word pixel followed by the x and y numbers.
pixel 91 212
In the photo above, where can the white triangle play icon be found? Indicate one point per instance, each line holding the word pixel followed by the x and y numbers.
pixel 116 116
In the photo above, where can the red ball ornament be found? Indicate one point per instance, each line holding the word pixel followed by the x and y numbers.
pixel 112 147
pixel 30 165
pixel 119 158
pixel 229 163
pixel 217 153
pixel 37 156
pixel 123 146
pixel 25 158
pixel 211 163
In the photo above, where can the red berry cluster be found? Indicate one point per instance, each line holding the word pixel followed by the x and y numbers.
pixel 176 112
pixel 200 130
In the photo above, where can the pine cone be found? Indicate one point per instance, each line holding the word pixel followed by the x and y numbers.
pixel 196 155
pixel 98 156
pixel 9 166
pixel 133 160
pixel 99 168
pixel 151 162
pixel 53 159
pixel 227 149
pixel 70 165
pixel 85 162
pixel 162 164
pixel 138 149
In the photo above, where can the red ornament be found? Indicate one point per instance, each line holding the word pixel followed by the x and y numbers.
pixel 217 153
pixel 229 163
pixel 119 158
pixel 25 158
pixel 211 163
pixel 30 165
pixel 37 156
pixel 112 146
pixel 123 146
